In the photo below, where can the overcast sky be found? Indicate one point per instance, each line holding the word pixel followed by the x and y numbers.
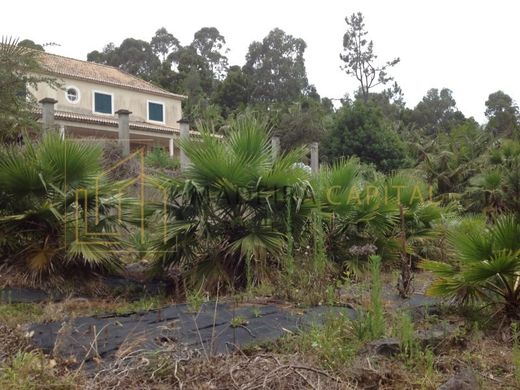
pixel 469 46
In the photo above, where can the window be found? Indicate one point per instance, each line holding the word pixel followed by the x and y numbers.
pixel 103 103
pixel 72 95
pixel 156 111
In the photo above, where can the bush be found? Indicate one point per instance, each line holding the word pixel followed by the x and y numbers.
pixel 159 158
pixel 48 204
pixel 227 217
pixel 360 130
pixel 486 268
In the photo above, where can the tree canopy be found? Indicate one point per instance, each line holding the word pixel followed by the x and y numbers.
pixel 276 68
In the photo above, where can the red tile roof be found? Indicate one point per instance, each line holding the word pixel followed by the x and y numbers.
pixel 104 74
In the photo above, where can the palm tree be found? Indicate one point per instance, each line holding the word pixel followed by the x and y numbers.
pixel 20 68
pixel 486 268
pixel 228 217
pixel 48 203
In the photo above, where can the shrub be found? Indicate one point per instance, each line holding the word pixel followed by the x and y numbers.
pixel 227 217
pixel 487 266
pixel 159 158
pixel 48 203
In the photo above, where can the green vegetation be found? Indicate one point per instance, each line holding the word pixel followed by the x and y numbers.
pixel 397 189
pixel 487 265
pixel 159 158
pixel 48 197
pixel 31 370
pixel 19 69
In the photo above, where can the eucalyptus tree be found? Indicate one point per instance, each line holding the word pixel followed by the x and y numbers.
pixel 276 68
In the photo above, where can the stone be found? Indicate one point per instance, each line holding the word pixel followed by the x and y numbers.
pixel 384 347
pixel 465 379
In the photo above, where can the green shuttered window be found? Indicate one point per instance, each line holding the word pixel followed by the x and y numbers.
pixel 102 103
pixel 155 112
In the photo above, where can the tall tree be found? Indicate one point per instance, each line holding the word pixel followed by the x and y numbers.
pixel 437 112
pixel 359 58
pixel 502 113
pixel 133 56
pixel 211 46
pixel 233 93
pixel 276 68
pixel 163 43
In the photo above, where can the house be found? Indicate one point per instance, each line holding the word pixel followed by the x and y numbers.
pixel 100 101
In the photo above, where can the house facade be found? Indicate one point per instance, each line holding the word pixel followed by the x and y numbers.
pixel 95 100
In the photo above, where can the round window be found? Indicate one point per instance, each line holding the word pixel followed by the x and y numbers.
pixel 72 94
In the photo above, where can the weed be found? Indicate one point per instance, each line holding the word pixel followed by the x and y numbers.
pixel 31 370
pixel 238 321
pixel 333 343
pixel 376 315
pixel 18 313
pixel 256 312
pixel 405 332
pixel 195 299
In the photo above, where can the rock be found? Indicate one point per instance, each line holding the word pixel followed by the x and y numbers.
pixel 465 379
pixel 383 347
pixel 436 335
pixel 137 271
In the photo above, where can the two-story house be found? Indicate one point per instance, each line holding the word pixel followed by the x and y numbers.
pixel 92 95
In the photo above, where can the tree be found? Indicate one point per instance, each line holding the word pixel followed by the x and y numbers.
pixel 360 60
pixel 437 112
pixel 133 56
pixel 163 43
pixel 233 93
pixel 20 68
pixel 209 45
pixel 276 68
pixel 360 130
pixel 503 114
pixel 30 44
pixel 301 125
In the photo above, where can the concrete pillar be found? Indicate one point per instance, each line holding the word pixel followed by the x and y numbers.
pixel 171 147
pixel 62 131
pixel 275 147
pixel 124 131
pixel 184 125
pixel 315 164
pixel 48 112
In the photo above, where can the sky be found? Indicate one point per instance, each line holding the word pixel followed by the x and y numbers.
pixel 469 46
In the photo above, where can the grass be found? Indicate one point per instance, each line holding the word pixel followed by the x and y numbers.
pixel 238 321
pixel 334 343
pixel 336 347
pixel 32 370
pixel 21 313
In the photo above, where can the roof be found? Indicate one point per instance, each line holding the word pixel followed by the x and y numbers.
pixel 112 122
pixel 104 74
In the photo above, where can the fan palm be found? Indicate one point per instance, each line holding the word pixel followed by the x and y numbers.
pixel 228 218
pixel 20 68
pixel 48 203
pixel 355 213
pixel 487 265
